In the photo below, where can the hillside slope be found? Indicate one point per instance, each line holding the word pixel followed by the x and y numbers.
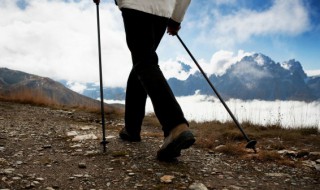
pixel 17 85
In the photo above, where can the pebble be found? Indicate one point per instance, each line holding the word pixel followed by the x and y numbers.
pixel 36 182
pixel 19 162
pixel 3 161
pixel 16 178
pixel 198 186
pixel 86 128
pixel 82 165
pixel 167 179
pixel 76 146
pixel 72 133
pixel 47 146
pixel 85 137
pixel 9 170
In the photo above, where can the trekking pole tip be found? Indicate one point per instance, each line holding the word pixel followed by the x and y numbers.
pixel 252 144
pixel 104 143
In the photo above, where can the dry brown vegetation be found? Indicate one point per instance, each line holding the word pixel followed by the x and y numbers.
pixel 270 139
pixel 38 98
pixel 28 96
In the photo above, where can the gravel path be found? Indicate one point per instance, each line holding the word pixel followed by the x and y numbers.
pixel 44 148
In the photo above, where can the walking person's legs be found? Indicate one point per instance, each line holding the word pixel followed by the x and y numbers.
pixel 144 33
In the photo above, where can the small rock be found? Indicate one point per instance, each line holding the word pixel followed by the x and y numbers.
pixel 3 162
pixel 167 179
pixel 85 137
pixel 82 165
pixel 92 152
pixel 36 182
pixel 198 186
pixel 16 178
pixel 111 137
pixel 40 179
pixel 234 187
pixel 220 147
pixel 288 153
pixel 139 185
pixel 72 133
pixel 309 163
pixel 76 146
pixel 9 171
pixel 19 162
pixel 131 174
pixel 314 153
pixel 46 146
pixel 86 128
pixel 276 174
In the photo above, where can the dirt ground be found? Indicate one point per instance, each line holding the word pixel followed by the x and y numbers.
pixel 45 148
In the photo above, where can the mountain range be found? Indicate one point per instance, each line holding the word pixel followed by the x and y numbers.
pixel 253 77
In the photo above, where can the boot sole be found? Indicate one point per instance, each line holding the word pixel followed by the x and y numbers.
pixel 173 150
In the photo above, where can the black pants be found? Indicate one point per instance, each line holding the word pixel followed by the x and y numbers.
pixel 143 34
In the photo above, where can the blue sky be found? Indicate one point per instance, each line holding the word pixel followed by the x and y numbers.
pixel 57 38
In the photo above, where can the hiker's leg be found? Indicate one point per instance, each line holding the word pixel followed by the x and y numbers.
pixel 143 33
pixel 135 103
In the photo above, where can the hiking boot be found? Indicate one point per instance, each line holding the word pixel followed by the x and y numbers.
pixel 178 139
pixel 124 135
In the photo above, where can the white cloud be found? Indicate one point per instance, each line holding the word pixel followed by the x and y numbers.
pixel 173 69
pixel 222 60
pixel 77 87
pixel 313 72
pixel 59 40
pixel 283 17
pixel 219 63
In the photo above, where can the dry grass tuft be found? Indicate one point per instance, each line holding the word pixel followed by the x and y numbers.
pixel 232 149
pixel 227 139
pixel 27 96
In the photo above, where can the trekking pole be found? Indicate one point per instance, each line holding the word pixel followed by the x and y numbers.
pixel 104 142
pixel 251 143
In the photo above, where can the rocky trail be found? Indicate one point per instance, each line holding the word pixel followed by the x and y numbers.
pixel 45 148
